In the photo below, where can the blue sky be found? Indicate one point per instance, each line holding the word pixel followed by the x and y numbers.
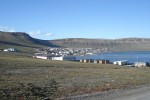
pixel 55 19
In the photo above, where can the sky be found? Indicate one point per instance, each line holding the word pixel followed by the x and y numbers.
pixel 59 19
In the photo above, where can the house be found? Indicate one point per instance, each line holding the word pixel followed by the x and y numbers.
pixel 102 61
pixel 64 58
pixel 141 64
pixel 122 62
pixel 9 50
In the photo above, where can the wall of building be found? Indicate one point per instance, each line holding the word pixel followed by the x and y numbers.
pixel 41 57
pixel 57 58
pixel 65 58
pixel 123 62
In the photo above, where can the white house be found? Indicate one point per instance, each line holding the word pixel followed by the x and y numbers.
pixel 122 62
pixel 9 50
pixel 64 58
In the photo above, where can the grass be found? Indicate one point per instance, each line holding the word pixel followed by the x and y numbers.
pixel 17 73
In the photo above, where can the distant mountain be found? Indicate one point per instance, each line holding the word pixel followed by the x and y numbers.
pixel 23 42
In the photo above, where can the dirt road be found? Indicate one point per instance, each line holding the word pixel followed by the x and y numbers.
pixel 140 93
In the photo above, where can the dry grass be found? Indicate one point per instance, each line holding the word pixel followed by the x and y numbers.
pixel 73 78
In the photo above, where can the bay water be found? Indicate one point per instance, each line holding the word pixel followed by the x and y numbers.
pixel 132 56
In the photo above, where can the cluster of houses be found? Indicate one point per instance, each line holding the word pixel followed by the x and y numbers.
pixel 69 54
pixel 70 51
pixel 99 61
pixel 65 54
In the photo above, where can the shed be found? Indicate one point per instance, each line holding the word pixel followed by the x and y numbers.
pixel 85 60
pixel 81 60
pixel 88 61
pixel 96 61
pixel 101 61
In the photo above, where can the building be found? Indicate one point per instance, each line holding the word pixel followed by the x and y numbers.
pixel 64 58
pixel 102 61
pixel 115 62
pixel 88 61
pixel 85 60
pixel 122 62
pixel 81 60
pixel 9 50
pixel 141 64
pixel 42 57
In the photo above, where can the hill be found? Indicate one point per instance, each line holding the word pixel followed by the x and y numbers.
pixel 125 44
pixel 23 42
pixel 20 40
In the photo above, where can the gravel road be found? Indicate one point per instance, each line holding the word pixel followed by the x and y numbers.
pixel 137 93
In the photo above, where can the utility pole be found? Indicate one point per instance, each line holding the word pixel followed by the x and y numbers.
pixel 137 59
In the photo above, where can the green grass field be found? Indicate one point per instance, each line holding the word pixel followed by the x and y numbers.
pixel 25 77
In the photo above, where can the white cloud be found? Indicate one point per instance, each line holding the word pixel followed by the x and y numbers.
pixel 39 32
pixel 7 29
pixel 49 34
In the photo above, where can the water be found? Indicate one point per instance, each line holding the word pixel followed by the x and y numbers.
pixel 142 56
